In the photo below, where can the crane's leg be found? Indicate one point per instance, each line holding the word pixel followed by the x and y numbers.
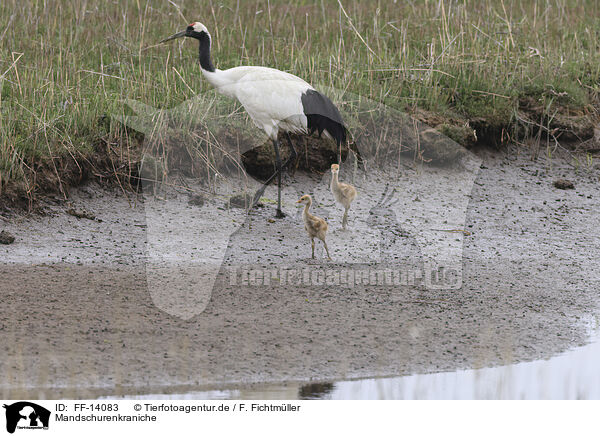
pixel 278 170
pixel 312 241
pixel 294 155
pixel 345 219
pixel 278 213
pixel 326 249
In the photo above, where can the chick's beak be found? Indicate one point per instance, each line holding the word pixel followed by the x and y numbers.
pixel 177 35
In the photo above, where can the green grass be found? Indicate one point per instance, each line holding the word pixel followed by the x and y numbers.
pixel 64 65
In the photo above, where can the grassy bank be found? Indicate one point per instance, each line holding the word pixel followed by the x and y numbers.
pixel 506 69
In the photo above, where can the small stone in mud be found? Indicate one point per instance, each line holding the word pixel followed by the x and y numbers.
pixel 6 238
pixel 81 214
pixel 563 184
pixel 243 201
pixel 196 200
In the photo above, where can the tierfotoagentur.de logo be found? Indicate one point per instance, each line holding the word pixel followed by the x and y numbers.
pixel 404 228
pixel 25 415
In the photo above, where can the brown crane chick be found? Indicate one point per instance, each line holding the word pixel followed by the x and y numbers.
pixel 315 226
pixel 342 192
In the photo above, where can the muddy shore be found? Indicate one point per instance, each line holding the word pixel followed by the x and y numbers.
pixel 102 305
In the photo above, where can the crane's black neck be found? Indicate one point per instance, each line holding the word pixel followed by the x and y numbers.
pixel 204 51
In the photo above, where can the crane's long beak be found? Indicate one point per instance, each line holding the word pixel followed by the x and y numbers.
pixel 177 35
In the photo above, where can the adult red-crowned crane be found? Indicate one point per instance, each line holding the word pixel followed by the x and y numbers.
pixel 275 100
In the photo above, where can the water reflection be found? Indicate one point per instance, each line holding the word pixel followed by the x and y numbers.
pixel 315 391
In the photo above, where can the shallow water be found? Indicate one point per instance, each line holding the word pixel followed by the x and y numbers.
pixel 572 375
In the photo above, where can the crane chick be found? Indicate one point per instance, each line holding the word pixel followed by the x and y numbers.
pixel 314 225
pixel 342 192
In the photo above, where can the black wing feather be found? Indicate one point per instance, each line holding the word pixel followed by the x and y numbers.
pixel 322 114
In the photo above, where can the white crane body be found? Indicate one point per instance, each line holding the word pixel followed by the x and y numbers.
pixel 271 97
